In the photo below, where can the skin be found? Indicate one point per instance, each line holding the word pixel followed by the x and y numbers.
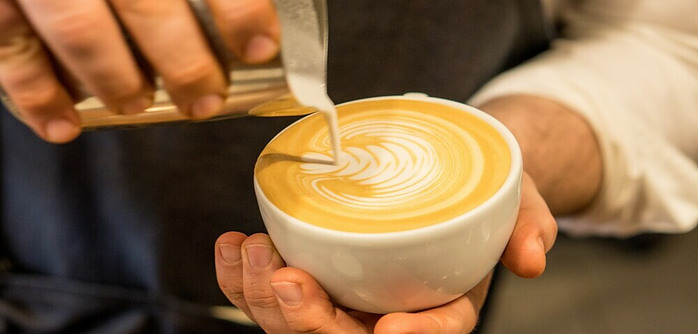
pixel 85 38
pixel 562 164
pixel 562 161
pixel 559 148
pixel 288 300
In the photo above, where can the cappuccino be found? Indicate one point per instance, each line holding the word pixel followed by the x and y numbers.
pixel 405 164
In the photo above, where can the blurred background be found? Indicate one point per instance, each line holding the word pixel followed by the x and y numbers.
pixel 645 284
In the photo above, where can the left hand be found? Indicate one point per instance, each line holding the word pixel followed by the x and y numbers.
pixel 287 300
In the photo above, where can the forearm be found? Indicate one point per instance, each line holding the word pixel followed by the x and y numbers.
pixel 560 151
pixel 635 84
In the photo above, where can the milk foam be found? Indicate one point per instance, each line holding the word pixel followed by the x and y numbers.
pixel 404 164
pixel 399 164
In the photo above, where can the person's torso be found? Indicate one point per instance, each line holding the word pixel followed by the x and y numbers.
pixel 121 224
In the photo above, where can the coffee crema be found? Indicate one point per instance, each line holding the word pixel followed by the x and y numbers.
pixel 405 164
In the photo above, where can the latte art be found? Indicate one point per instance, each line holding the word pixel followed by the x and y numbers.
pixel 404 165
pixel 392 162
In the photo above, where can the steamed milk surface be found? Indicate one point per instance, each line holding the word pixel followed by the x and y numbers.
pixel 405 164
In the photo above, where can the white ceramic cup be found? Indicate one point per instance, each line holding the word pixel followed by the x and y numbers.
pixel 406 270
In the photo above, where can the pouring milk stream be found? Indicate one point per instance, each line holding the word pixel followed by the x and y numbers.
pixel 291 86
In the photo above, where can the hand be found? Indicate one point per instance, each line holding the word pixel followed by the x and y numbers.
pixel 85 38
pixel 287 300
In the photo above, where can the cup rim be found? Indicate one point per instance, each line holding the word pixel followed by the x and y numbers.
pixel 512 180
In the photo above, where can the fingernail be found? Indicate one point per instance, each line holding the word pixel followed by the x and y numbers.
pixel 542 244
pixel 288 292
pixel 260 48
pixel 136 107
pixel 259 256
pixel 61 130
pixel 230 253
pixel 207 106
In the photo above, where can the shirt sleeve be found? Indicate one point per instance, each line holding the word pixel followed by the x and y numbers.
pixel 633 74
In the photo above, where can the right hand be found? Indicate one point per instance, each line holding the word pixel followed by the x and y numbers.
pixel 85 38
pixel 253 276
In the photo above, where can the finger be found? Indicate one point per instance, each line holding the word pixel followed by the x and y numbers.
pixel 260 260
pixel 250 28
pixel 229 268
pixel 307 308
pixel 533 235
pixel 87 40
pixel 168 35
pixel 458 316
pixel 27 76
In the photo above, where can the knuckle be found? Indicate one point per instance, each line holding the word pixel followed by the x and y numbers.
pixel 192 74
pixel 260 298
pixel 19 48
pixel 126 89
pixel 35 101
pixel 236 297
pixel 306 325
pixel 233 291
pixel 116 87
pixel 302 321
pixel 229 287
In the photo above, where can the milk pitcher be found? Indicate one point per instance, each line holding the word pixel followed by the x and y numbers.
pixel 292 84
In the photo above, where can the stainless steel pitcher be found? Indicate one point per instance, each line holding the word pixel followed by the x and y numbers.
pixel 277 88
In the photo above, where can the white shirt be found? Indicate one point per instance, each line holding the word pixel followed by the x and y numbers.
pixel 630 67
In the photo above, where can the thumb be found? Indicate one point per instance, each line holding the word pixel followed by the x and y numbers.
pixel 307 307
pixel 533 235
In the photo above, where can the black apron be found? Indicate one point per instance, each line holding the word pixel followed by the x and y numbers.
pixel 114 232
